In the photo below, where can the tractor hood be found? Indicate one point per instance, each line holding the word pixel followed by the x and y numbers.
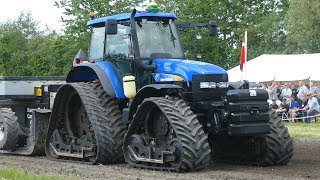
pixel 186 69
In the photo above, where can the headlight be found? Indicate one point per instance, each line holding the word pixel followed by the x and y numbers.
pixel 208 85
pixel 222 85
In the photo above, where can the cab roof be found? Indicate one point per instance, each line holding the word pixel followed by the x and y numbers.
pixel 126 16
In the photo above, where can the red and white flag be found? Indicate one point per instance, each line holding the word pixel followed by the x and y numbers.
pixel 243 53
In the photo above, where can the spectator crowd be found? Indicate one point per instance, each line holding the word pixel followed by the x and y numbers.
pixel 298 103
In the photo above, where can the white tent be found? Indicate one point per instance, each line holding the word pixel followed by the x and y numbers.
pixel 276 67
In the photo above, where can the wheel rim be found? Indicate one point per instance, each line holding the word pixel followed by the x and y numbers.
pixel 1 131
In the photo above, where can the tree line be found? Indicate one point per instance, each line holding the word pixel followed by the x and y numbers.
pixel 274 27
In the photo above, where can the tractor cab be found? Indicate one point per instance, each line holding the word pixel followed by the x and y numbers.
pixel 122 40
pixel 143 44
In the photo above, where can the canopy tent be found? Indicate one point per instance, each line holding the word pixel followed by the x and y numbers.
pixel 276 67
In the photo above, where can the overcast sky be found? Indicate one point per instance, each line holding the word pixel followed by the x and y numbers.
pixel 41 10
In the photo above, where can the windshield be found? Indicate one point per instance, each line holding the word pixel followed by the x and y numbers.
pixel 159 39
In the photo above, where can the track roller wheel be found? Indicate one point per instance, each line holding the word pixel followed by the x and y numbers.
pixel 166 135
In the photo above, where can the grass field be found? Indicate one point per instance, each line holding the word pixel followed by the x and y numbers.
pixel 303 130
pixel 16 174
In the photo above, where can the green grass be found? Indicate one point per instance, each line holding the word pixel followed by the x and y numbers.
pixel 303 130
pixel 16 174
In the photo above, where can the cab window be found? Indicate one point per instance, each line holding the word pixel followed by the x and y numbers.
pixel 120 42
pixel 97 43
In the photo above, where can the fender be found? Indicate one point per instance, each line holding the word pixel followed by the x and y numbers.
pixel 103 71
pixel 151 90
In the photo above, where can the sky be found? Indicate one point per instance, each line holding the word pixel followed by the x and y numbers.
pixel 43 11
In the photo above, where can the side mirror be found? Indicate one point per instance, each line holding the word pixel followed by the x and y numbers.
pixel 112 26
pixel 213 30
pixel 80 57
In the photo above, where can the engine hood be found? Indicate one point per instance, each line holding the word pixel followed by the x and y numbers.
pixel 186 68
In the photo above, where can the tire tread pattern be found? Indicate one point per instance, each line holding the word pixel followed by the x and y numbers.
pixel 12 126
pixel 106 119
pixel 279 143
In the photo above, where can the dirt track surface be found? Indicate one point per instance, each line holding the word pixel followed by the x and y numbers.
pixel 304 165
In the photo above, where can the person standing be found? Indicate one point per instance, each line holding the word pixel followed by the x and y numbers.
pixel 286 93
pixel 279 89
pixel 302 91
pixel 314 89
pixel 272 91
pixel 294 91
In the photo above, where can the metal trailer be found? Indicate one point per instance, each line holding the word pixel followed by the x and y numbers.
pixel 25 108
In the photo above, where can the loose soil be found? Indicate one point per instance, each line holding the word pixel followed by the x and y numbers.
pixel 305 164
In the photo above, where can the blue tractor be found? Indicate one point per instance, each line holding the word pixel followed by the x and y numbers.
pixel 136 98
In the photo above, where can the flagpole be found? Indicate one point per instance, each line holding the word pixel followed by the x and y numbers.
pixel 245 50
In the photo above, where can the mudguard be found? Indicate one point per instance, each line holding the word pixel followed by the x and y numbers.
pixel 151 90
pixel 103 71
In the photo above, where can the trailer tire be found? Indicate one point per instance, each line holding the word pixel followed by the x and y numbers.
pixel 9 127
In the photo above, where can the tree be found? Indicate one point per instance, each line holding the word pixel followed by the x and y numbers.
pixel 303 26
pixel 263 20
pixel 13 43
pixel 26 51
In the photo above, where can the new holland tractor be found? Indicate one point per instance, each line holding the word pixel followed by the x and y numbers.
pixel 136 98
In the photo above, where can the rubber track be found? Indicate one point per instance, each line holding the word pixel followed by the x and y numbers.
pixel 112 111
pixel 105 117
pixel 10 121
pixel 194 142
pixel 279 146
pixel 279 143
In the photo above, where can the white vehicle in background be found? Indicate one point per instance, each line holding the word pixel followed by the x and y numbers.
pixel 25 108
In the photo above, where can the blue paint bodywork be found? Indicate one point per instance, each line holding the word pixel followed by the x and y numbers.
pixel 186 68
pixel 105 72
pixel 108 71
pixel 126 16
